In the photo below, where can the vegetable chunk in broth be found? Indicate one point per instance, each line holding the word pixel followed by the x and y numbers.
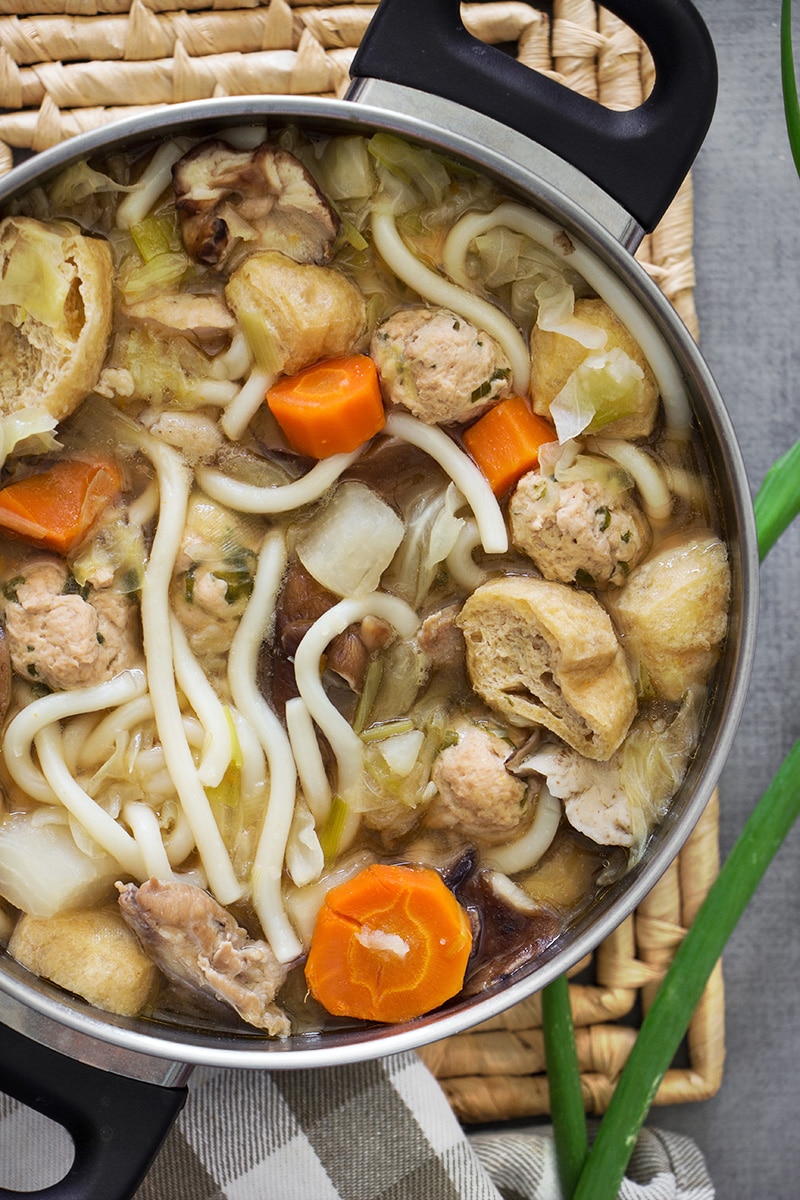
pixel 361 581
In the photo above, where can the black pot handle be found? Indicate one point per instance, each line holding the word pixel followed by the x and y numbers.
pixel 639 157
pixel 116 1123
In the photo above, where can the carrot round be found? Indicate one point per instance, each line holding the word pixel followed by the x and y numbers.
pixel 505 442
pixel 389 944
pixel 331 407
pixel 56 507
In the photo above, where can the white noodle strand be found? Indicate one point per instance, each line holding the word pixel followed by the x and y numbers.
pixel 143 824
pixel 145 506
pixel 216 393
pixel 193 681
pixel 179 842
pixel 464 570
pixel 276 498
pixel 254 763
pixel 240 410
pixel 470 481
pixel 242 663
pixel 347 746
pixel 174 484
pixel 310 767
pixel 95 820
pixel 646 473
pixel 438 290
pixel 58 706
pixel 235 362
pixel 526 851
pixel 605 283
pixel 134 207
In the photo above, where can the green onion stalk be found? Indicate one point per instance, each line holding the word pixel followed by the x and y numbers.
pixel 597 1174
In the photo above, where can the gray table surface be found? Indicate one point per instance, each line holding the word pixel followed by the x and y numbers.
pixel 747 250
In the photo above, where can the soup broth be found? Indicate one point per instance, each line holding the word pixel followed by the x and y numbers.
pixel 361 581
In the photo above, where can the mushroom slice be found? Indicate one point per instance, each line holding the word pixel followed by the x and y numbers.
pixel 232 203
pixel 512 928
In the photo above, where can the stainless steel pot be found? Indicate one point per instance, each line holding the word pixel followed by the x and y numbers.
pixel 116 1083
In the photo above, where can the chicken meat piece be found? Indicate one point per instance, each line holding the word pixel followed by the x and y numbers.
pixel 92 953
pixel 545 654
pixel 594 799
pixel 233 203
pixel 578 532
pixel 619 802
pixel 673 613
pixel 198 945
pixel 438 365
pixel 206 319
pixel 196 435
pixel 626 399
pixel 310 312
pixel 476 795
pixel 56 303
pixel 64 636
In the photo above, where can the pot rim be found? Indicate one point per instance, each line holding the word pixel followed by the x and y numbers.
pixel 527 174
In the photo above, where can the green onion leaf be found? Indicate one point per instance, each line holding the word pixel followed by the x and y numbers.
pixel 791 107
pixel 778 499
pixel 564 1079
pixel 331 833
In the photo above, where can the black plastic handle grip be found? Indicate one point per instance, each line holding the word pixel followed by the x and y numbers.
pixel 639 157
pixel 116 1123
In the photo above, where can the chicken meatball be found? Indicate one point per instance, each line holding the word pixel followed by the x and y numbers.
pixel 673 613
pixel 476 794
pixel 66 637
pixel 311 312
pixel 439 366
pixel 578 532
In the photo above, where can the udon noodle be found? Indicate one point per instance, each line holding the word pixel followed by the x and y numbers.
pixel 264 673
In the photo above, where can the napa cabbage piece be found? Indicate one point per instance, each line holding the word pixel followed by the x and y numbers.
pixel 432 531
pixel 585 467
pixel 78 182
pixel 344 170
pixel 556 314
pixel 163 370
pixel 30 431
pixel 606 387
pixel 350 541
pixel 506 256
pixel 33 282
pixel 115 553
pixel 420 172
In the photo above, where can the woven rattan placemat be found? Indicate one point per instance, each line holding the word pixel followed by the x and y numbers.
pixel 64 67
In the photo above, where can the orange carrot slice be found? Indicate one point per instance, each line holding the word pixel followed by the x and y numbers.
pixel 56 507
pixel 389 944
pixel 329 408
pixel 505 442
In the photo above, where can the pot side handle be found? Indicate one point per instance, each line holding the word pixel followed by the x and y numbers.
pixel 116 1123
pixel 639 157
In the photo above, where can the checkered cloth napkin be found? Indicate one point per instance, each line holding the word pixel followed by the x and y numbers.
pixel 380 1130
